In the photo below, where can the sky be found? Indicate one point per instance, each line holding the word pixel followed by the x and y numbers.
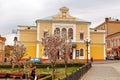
pixel 26 12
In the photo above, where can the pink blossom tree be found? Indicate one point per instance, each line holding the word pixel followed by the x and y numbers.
pixel 17 53
pixel 52 46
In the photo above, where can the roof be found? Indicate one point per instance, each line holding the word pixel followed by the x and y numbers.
pixel 63 16
pixel 49 18
pixel 25 26
pixel 117 33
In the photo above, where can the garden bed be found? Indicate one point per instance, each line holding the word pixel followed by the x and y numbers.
pixel 16 75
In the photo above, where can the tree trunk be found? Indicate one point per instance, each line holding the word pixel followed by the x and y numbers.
pixel 53 69
pixel 66 69
pixel 19 66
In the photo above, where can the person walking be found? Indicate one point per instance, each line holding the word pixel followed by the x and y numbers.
pixel 33 73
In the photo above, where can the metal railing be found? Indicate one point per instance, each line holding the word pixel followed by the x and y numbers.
pixel 78 73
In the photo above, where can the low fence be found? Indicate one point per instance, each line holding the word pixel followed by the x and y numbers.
pixel 78 73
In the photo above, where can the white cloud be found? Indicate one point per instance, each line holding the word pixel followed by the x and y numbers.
pixel 25 12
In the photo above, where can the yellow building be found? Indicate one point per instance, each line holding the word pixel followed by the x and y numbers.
pixel 111 25
pixel 76 29
pixel 97 44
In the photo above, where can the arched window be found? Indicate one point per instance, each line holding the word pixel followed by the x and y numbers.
pixel 70 33
pixel 57 30
pixel 64 33
pixel 81 52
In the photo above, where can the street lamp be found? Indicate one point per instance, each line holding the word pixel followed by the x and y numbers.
pixel 87 44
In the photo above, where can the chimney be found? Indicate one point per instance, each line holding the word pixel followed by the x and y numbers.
pixel 15 38
pixel 106 19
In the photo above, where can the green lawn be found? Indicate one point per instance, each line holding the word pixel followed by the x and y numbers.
pixel 59 71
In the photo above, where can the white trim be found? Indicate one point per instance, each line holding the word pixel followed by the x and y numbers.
pixel 74 32
pixel 74 53
pixel 38 40
pixel 89 44
pixel 104 46
pixel 38 31
pixel 37 51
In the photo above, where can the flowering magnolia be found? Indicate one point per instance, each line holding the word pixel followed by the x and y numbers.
pixel 53 44
pixel 18 53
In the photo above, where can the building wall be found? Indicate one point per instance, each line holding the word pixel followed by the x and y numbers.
pixel 29 39
pixel 97 45
pixel 113 27
pixel 113 41
pixel 81 28
pixel 44 26
pixel 81 46
pixel 110 25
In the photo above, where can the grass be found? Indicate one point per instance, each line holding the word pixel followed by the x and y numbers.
pixel 59 71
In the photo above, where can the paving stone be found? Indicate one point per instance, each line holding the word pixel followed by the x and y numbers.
pixel 103 71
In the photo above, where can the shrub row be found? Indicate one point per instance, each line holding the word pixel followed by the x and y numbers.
pixel 47 65
pixel 59 65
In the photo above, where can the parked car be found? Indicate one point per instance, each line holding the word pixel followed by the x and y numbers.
pixel 116 57
pixel 36 60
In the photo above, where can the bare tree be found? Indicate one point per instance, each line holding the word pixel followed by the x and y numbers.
pixel 52 46
pixel 18 53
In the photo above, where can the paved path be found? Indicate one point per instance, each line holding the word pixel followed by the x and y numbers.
pixel 107 70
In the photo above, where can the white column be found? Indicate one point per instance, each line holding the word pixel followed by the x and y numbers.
pixel 89 57
pixel 104 46
pixel 74 33
pixel 38 40
pixel 37 51
pixel 74 51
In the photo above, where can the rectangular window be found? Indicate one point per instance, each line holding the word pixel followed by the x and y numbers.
pixel 81 36
pixel 77 53
pixel 45 33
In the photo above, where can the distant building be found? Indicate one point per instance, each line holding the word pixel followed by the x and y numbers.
pixel 113 44
pixel 2 48
pixel 111 25
pixel 112 28
pixel 85 42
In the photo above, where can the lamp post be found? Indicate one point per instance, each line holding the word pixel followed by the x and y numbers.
pixel 87 44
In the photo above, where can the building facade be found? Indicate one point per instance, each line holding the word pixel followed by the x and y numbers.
pixel 97 44
pixel 2 49
pixel 112 28
pixel 74 28
pixel 113 45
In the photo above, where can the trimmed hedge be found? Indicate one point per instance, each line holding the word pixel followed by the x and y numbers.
pixel 9 66
pixel 59 65
pixel 47 65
